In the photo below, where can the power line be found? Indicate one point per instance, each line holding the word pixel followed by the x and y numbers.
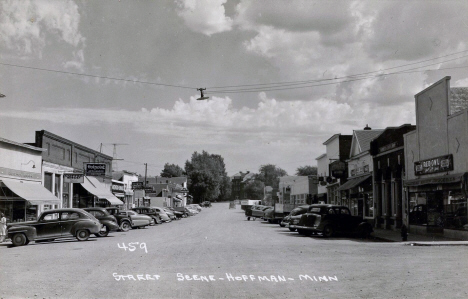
pixel 318 80
pixel 95 76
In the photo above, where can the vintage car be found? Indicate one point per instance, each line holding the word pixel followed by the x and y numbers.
pixel 196 207
pixel 170 213
pixel 157 219
pixel 179 214
pixel 136 220
pixel 269 215
pixel 162 214
pixel 294 216
pixel 123 220
pixel 329 220
pixel 206 204
pixel 107 220
pixel 54 224
pixel 257 211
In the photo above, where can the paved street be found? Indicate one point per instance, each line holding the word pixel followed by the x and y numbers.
pixel 218 254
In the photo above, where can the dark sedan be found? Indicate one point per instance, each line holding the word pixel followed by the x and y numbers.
pixel 54 224
pixel 108 221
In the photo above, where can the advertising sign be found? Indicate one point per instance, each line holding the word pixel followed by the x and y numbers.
pixel 434 165
pixel 73 178
pixel 95 169
pixel 137 185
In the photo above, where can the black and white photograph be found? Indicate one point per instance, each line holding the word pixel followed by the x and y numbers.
pixel 233 149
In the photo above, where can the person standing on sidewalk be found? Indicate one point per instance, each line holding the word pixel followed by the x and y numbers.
pixel 3 227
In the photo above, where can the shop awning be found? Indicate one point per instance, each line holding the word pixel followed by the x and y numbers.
pixel 353 182
pixel 444 179
pixel 146 197
pixel 34 193
pixel 95 187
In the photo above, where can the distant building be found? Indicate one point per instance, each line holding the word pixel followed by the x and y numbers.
pixel 239 180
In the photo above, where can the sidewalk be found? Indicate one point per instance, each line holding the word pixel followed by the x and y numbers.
pixel 387 235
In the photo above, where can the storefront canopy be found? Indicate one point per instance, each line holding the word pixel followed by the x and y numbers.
pixel 444 179
pixel 95 187
pixel 354 182
pixel 34 193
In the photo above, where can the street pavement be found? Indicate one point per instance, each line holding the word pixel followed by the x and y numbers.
pixel 219 254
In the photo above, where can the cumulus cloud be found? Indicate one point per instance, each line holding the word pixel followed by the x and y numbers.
pixel 24 24
pixel 205 16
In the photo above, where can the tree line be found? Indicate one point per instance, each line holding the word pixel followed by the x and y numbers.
pixel 208 180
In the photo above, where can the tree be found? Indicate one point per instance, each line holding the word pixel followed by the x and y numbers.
pixel 306 170
pixel 270 174
pixel 254 189
pixel 172 170
pixel 207 174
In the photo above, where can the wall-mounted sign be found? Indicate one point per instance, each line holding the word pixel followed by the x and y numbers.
pixel 95 169
pixel 149 189
pixel 118 188
pixel 338 169
pixel 73 178
pixel 434 165
pixel 137 185
pixel 388 147
pixel 360 170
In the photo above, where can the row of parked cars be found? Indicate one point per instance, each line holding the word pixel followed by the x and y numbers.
pixel 81 223
pixel 324 219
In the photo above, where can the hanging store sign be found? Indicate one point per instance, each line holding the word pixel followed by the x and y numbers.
pixel 73 178
pixel 95 169
pixel 388 147
pixel 118 188
pixel 137 186
pixel 434 165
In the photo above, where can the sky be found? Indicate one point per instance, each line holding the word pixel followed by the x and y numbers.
pixel 282 76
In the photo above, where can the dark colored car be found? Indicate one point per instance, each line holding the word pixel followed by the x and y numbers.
pixel 149 212
pixel 331 219
pixel 178 214
pixel 123 220
pixel 54 224
pixel 294 217
pixel 109 221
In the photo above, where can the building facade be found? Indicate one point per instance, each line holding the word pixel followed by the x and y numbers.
pixel 436 161
pixel 388 155
pixel 22 193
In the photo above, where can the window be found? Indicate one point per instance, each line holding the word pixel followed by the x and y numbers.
pixel 48 181
pixel 70 216
pixel 51 217
pixel 57 185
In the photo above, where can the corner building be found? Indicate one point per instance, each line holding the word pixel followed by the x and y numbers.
pixel 436 160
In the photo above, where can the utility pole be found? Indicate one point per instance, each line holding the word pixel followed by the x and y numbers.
pixel 146 171
pixel 114 154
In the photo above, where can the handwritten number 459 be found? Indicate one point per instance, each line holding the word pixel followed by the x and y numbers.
pixel 133 246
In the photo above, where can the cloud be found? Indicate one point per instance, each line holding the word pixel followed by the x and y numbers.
pixel 205 16
pixel 461 83
pixel 25 26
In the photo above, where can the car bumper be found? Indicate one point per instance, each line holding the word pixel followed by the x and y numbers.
pixel 308 228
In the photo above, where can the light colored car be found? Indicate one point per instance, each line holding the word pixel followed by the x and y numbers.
pixel 192 209
pixel 170 214
pixel 138 220
pixel 162 214
pixel 196 207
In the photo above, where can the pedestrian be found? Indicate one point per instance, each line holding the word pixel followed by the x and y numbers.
pixel 3 227
pixel 404 233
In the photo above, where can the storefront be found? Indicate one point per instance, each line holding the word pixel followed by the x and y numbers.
pixel 436 162
pixel 22 195
pixel 387 151
pixel 357 194
pixel 93 193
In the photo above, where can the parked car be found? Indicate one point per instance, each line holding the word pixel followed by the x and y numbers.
pixel 329 220
pixel 137 220
pixel 269 215
pixel 124 222
pixel 149 212
pixel 170 213
pixel 258 211
pixel 294 217
pixel 177 213
pixel 189 212
pixel 192 209
pixel 196 207
pixel 206 204
pixel 54 224
pixel 162 214
pixel 108 221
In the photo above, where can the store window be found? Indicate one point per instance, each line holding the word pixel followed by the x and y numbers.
pixel 369 205
pixel 57 185
pixel 418 208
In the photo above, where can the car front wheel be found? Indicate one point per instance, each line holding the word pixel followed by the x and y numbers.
pixel 292 229
pixel 125 226
pixel 19 240
pixel 327 231
pixel 82 235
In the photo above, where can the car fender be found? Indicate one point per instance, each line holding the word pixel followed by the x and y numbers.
pixel 365 225
pixel 92 227
pixel 110 224
pixel 29 231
